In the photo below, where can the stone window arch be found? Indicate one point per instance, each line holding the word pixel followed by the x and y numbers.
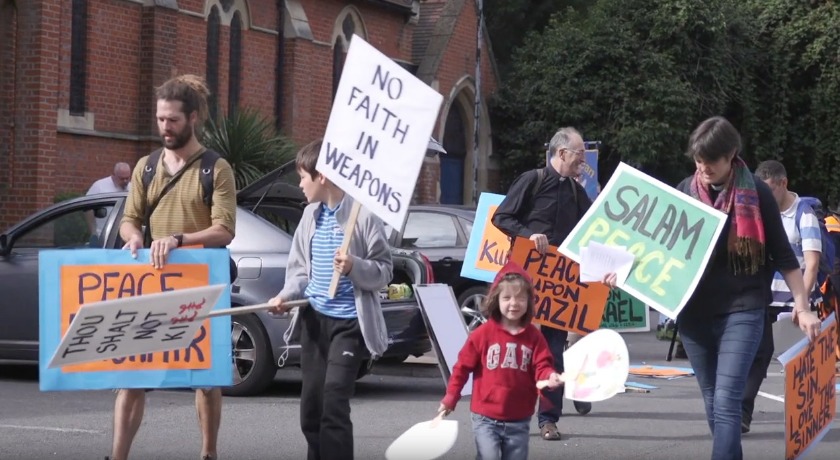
pixel 348 23
pixel 235 64
pixel 78 56
pixel 236 15
pixel 212 71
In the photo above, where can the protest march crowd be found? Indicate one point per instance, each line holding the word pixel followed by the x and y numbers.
pixel 769 251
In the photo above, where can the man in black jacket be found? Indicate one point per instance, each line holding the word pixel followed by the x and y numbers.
pixel 544 206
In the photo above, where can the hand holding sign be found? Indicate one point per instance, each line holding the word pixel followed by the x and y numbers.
pixel 553 381
pixel 597 367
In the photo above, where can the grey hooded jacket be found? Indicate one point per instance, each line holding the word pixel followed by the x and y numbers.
pixel 372 268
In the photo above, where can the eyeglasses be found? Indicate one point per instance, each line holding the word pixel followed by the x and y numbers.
pixel 576 153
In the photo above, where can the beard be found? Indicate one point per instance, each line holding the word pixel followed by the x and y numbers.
pixel 179 139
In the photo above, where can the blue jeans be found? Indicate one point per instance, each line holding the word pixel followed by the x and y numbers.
pixel 551 401
pixel 721 350
pixel 497 440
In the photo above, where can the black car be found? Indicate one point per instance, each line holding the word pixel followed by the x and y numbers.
pixel 441 233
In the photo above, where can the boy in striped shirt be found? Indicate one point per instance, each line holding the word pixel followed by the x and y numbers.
pixel 806 241
pixel 337 334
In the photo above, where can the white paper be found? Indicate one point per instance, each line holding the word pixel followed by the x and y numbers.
pixel 597 260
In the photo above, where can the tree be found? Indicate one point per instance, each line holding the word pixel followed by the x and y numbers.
pixel 250 143
pixel 637 75
pixel 799 86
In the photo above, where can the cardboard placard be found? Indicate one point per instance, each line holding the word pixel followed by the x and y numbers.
pixel 446 326
pixel 810 390
pixel 378 132
pixel 671 234
pixel 625 313
pixel 70 279
pixel 563 301
pixel 488 247
pixel 135 325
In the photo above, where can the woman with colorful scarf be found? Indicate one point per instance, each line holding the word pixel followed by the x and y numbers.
pixel 722 323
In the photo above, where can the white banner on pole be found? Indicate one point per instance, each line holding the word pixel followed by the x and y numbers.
pixel 136 325
pixel 378 132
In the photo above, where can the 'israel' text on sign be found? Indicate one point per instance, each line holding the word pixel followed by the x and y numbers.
pixel 563 301
pixel 625 313
pixel 671 234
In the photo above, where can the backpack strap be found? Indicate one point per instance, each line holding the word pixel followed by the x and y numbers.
pixel 535 187
pixel 207 165
pixel 150 170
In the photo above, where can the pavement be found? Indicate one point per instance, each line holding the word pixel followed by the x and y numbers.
pixel 665 423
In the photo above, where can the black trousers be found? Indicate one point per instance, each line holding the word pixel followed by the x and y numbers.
pixel 332 351
pixel 758 370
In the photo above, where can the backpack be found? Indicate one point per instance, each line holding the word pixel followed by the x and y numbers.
pixel 829 256
pixel 532 192
pixel 207 165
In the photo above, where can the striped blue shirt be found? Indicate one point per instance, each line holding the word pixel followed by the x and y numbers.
pixel 803 236
pixel 326 241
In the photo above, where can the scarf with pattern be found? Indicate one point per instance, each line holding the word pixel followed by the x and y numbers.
pixel 739 198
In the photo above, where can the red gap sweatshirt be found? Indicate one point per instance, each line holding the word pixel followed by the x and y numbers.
pixel 505 370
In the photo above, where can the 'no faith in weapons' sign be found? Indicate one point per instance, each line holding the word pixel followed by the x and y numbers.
pixel 378 132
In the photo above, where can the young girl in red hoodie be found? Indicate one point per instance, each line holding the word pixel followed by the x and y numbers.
pixel 507 357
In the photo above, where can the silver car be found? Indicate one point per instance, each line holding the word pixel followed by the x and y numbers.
pixel 267 215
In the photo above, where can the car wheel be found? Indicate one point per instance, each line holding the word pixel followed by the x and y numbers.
pixel 470 302
pixel 253 363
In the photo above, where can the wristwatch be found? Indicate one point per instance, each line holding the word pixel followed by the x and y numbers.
pixel 179 237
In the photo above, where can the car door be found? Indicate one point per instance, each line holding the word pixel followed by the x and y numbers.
pixel 79 224
pixel 436 235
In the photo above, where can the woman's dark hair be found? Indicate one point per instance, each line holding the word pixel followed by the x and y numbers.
pixel 713 139
pixel 491 307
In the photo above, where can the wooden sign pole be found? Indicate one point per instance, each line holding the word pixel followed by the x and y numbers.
pixel 345 244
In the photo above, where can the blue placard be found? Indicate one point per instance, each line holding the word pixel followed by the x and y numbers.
pixel 589 176
pixel 220 372
pixel 487 247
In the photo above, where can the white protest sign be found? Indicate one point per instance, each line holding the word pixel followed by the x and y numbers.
pixel 136 325
pixel 446 326
pixel 378 132
pixel 596 367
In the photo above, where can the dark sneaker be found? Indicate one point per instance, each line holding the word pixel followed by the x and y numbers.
pixel 583 408
pixel 746 421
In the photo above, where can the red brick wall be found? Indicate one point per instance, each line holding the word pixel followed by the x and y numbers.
pixel 152 45
pixel 8 140
pixel 308 66
pixel 459 61
pixel 30 167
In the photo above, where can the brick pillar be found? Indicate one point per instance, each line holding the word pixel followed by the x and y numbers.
pixel 158 47
pixel 8 144
pixel 33 157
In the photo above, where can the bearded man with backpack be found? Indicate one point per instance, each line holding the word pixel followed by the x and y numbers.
pixel 181 195
pixel 815 251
